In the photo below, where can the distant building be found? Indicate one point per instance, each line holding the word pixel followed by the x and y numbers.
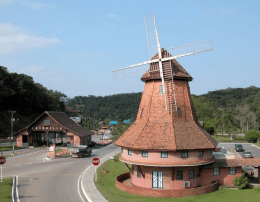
pixel 113 123
pixel 127 121
pixel 70 111
pixel 52 127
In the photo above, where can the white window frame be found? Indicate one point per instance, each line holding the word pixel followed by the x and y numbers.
pixel 130 152
pixel 144 153
pixel 216 171
pixel 164 154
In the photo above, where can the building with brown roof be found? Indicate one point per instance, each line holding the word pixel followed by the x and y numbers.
pixel 166 145
pixel 53 127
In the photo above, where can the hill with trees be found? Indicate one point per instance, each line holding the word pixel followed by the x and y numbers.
pixel 19 93
pixel 232 110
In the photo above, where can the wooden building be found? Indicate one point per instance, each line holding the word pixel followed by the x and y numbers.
pixel 170 152
pixel 53 127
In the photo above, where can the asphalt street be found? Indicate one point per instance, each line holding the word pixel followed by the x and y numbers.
pixel 247 147
pixel 50 180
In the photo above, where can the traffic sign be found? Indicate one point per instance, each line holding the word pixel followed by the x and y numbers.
pixel 2 160
pixel 95 161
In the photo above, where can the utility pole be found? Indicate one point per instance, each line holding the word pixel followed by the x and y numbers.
pixel 12 123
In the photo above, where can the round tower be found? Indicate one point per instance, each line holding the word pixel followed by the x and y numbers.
pixel 166 145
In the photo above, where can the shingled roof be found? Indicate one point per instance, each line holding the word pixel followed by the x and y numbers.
pixel 157 129
pixel 62 119
pixel 178 70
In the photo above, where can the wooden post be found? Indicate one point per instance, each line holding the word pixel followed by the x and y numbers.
pixel 47 138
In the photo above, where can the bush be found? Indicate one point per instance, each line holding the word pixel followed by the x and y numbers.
pixel 241 182
pixel 257 188
pixel 252 135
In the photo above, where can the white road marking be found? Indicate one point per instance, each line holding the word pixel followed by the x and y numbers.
pixel 82 176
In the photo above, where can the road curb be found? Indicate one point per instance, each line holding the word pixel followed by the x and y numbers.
pixel 88 186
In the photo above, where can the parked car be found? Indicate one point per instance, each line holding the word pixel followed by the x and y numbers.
pixel 239 147
pixel 92 144
pixel 247 154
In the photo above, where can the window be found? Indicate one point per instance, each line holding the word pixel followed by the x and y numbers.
pixel 121 150
pixel 47 122
pixel 232 171
pixel 141 113
pixel 200 153
pixel 179 175
pixel 164 154
pixel 160 90
pixel 179 111
pixel 210 151
pixel 216 171
pixel 192 173
pixel 133 170
pixel 184 154
pixel 144 153
pixel 138 172
pixel 130 152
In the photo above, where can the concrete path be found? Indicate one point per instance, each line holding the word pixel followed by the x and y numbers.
pixel 88 186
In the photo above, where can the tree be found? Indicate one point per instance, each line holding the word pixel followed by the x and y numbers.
pixel 252 135
pixel 119 130
pixel 241 182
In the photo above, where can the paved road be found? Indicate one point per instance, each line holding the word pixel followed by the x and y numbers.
pixel 247 146
pixel 53 180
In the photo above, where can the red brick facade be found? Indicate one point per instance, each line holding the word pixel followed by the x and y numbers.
pixel 162 193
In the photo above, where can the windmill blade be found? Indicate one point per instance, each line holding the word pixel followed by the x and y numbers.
pixel 188 49
pixel 152 34
pixel 136 69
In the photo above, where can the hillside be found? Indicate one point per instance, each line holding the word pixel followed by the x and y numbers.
pixel 232 110
pixel 19 93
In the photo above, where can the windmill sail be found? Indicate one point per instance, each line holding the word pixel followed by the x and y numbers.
pixel 172 53
pixel 160 63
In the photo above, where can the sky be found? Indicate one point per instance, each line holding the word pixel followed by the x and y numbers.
pixel 73 46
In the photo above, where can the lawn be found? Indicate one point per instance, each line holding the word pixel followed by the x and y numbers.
pixel 9 148
pixel 227 139
pixel 106 185
pixel 6 190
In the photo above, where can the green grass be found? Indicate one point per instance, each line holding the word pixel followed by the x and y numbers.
pixel 58 151
pixel 227 139
pixel 9 148
pixel 257 144
pixel 106 185
pixel 6 190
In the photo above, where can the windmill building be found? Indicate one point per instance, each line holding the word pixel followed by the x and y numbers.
pixel 170 152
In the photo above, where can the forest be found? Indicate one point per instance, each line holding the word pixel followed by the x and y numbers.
pixel 231 110
pixel 19 93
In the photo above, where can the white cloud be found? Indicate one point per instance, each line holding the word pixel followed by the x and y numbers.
pixel 14 38
pixel 6 1
pixel 110 15
pixel 35 5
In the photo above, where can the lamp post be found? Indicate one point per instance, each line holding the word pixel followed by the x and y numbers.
pixel 12 122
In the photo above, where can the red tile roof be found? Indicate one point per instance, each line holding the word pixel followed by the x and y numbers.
pixel 235 162
pixel 167 163
pixel 156 129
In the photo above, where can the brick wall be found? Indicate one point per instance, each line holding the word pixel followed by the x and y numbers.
pixel 162 193
pixel 224 178
pixel 154 157
pixel 169 177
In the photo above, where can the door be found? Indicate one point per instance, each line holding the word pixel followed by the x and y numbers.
pixel 158 179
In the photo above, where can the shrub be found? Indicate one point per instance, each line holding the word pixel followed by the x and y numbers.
pixel 252 135
pixel 241 182
pixel 257 188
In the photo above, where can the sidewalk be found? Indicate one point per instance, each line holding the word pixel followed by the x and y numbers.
pixel 87 184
